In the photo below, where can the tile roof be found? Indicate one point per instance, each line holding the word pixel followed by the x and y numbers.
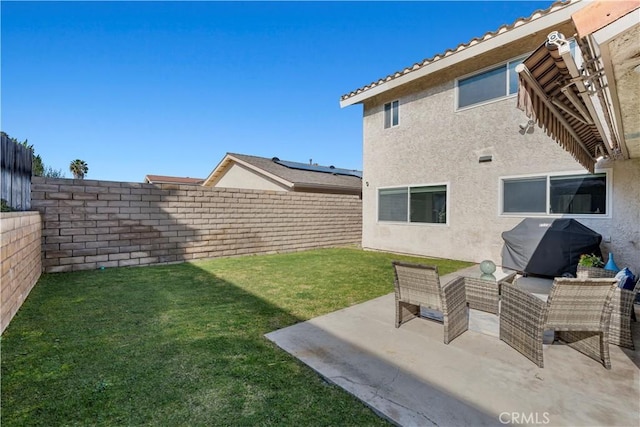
pixel 489 35
pixel 157 179
pixel 301 178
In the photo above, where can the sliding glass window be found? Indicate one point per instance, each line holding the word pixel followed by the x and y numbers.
pixel 495 83
pixel 420 204
pixel 579 194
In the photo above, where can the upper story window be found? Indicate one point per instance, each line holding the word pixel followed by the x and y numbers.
pixel 420 204
pixel 573 195
pixel 488 85
pixel 391 114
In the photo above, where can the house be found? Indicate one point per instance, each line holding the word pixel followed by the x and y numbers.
pixel 162 179
pixel 261 173
pixel 450 162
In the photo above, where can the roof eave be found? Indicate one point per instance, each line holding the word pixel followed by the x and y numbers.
pixel 521 31
pixel 217 173
pixel 602 37
pixel 301 186
pixel 212 178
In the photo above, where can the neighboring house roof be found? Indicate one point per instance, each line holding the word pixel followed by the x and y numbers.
pixel 162 179
pixel 293 175
pixel 522 27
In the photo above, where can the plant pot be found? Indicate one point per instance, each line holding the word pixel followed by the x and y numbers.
pixel 593 272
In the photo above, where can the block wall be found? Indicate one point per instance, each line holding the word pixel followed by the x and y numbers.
pixel 21 262
pixel 90 224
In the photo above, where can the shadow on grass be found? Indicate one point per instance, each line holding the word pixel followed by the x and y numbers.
pixel 184 344
pixel 157 345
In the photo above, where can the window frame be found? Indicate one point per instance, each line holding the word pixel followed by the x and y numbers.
pixel 408 188
pixel 608 173
pixel 394 107
pixel 505 65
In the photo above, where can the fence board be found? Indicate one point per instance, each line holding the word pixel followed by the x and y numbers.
pixel 15 174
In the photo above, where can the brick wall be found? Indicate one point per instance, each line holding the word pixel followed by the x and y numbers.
pixel 91 224
pixel 21 262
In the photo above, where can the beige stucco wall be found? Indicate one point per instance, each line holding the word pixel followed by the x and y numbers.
pixel 624 228
pixel 435 144
pixel 238 176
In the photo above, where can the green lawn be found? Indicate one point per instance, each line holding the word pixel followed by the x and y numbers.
pixel 184 344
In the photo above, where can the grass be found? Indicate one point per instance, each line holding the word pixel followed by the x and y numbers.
pixel 184 344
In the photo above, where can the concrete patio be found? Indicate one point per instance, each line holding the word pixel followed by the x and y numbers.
pixel 409 376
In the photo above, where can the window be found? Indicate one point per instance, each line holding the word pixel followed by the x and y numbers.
pixel 428 204
pixel 423 204
pixel 391 114
pixel 556 194
pixel 495 83
pixel 392 204
pixel 578 194
pixel 526 195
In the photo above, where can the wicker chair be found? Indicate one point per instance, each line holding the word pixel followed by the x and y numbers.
pixel 622 311
pixel 578 310
pixel 418 286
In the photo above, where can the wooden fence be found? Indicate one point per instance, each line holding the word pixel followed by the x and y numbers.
pixel 15 175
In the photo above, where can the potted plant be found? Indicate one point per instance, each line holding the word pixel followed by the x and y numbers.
pixel 590 265
pixel 590 260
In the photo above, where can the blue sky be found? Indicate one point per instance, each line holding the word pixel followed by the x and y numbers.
pixel 167 88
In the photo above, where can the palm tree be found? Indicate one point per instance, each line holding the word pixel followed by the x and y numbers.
pixel 78 168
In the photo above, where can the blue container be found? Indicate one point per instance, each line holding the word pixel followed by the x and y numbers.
pixel 611 264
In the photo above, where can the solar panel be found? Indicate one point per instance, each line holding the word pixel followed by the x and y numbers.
pixel 317 168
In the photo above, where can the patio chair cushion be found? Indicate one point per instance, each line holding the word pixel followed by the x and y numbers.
pixel 626 279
